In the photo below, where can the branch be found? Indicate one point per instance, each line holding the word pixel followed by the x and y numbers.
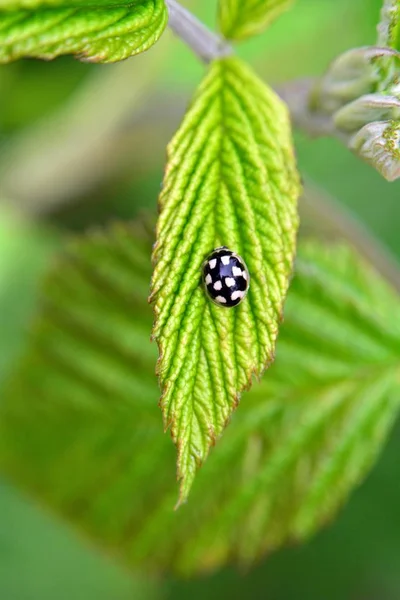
pixel 50 184
pixel 296 95
pixel 204 43
pixel 339 94
pixel 209 46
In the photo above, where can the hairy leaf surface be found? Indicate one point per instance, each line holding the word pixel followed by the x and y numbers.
pixel 103 31
pixel 79 424
pixel 240 19
pixel 389 25
pixel 230 181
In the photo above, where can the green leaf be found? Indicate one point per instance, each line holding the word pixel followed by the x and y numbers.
pixel 79 425
pixel 240 19
pixel 102 31
pixel 230 181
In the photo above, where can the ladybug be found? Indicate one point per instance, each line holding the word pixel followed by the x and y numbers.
pixel 225 276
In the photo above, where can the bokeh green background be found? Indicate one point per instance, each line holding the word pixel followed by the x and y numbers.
pixel 356 557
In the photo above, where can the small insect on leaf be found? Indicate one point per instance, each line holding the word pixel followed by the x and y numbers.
pixel 226 277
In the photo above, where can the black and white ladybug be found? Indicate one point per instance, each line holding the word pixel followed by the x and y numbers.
pixel 226 277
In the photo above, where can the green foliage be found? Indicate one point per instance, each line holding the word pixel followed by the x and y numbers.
pixel 378 143
pixel 103 31
pixel 240 19
pixel 24 255
pixel 79 424
pixel 230 180
pixel 389 26
pixel 360 94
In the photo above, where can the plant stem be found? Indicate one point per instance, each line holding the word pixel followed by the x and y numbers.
pixel 209 46
pixel 50 169
pixel 296 96
pixel 206 44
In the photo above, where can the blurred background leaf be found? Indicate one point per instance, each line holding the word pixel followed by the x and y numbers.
pixel 363 544
pixel 80 428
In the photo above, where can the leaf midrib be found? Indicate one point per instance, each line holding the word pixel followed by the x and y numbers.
pixel 225 132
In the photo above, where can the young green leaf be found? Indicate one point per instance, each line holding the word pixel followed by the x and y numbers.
pixel 79 424
pixel 378 143
pixel 389 25
pixel 98 31
pixel 240 19
pixel 230 181
pixel 360 93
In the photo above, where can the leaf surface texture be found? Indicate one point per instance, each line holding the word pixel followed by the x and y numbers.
pixel 230 180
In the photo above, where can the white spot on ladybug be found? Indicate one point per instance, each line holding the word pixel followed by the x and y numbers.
pixel 236 272
pixel 244 275
pixel 229 281
pixel 212 263
pixel 220 299
pixel 218 285
pixel 225 260
pixel 208 279
pixel 236 295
